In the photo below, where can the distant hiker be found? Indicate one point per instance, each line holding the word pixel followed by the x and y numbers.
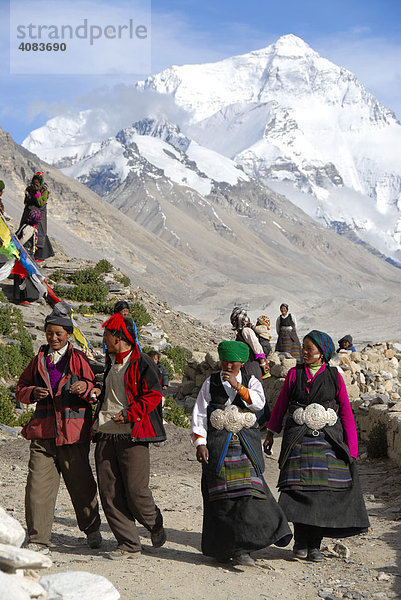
pixel 240 514
pixel 127 419
pixel 122 307
pixel 256 364
pixel 60 381
pixel 2 187
pixel 346 344
pixel 262 330
pixel 162 370
pixel 287 340
pixel 32 233
pixel 35 215
pixel 318 481
pixel 244 333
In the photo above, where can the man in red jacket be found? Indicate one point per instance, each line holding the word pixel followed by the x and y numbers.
pixel 60 381
pixel 128 418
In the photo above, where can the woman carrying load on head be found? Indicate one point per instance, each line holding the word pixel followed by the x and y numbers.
pixel 35 215
pixel 240 514
pixel 287 337
pixel 320 491
pixel 244 333
pixel 32 233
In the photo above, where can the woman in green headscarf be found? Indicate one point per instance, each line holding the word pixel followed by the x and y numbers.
pixel 240 514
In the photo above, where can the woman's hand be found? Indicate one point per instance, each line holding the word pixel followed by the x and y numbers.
pixel 39 393
pixel 79 387
pixel 202 454
pixel 268 443
pixel 118 418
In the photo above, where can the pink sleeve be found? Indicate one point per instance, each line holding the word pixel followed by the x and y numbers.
pixel 280 408
pixel 347 417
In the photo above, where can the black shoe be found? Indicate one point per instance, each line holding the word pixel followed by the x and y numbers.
pixel 300 551
pixel 158 537
pixel 315 555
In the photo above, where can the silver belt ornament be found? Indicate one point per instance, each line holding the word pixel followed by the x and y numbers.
pixel 232 419
pixel 315 416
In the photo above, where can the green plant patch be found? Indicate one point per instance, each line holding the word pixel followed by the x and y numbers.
pixel 179 357
pixel 7 415
pixel 57 276
pixel 103 266
pixel 140 315
pixel 84 292
pixel 25 417
pixel 174 413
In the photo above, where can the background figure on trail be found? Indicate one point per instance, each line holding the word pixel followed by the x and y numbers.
pixel 320 491
pixel 346 344
pixel 286 328
pixel 239 512
pixel 35 214
pixel 262 330
pixel 32 233
pixel 256 364
pixel 162 370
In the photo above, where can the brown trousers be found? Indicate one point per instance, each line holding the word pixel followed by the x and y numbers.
pixel 123 470
pixel 46 462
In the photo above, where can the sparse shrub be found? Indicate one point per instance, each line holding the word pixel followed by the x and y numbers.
pixel 124 280
pixel 6 324
pixel 139 314
pixel 57 276
pixel 103 266
pixel 14 357
pixel 7 416
pixel 106 308
pixel 173 413
pixel 179 357
pixel 89 275
pixel 25 417
pixel 84 292
pixel 377 441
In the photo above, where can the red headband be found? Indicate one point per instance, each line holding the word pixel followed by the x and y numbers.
pixel 116 323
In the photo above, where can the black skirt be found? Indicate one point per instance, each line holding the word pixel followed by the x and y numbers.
pixel 244 524
pixel 338 513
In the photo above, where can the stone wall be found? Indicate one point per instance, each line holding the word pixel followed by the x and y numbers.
pixel 372 376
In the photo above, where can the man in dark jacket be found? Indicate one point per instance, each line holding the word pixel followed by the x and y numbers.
pixel 128 418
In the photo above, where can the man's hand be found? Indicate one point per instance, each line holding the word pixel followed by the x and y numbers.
pixel 39 393
pixel 79 387
pixel 118 418
pixel 202 454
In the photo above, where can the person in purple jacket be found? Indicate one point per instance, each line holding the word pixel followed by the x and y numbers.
pixel 320 491
pixel 59 381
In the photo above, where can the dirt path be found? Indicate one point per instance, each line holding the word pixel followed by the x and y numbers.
pixel 178 570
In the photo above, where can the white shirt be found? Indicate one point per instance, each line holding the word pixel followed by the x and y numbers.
pixel 199 414
pixel 57 355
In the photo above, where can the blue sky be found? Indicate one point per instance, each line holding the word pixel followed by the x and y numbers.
pixel 361 35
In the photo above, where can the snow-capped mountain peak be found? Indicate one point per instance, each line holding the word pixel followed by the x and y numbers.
pixel 290 118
